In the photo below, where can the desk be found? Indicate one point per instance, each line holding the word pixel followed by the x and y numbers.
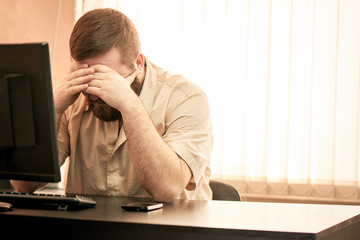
pixel 184 219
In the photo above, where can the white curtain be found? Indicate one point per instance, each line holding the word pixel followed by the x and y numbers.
pixel 282 77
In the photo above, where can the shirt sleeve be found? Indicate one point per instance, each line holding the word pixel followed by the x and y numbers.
pixel 189 130
pixel 63 140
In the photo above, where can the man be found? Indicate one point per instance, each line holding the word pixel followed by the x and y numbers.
pixel 128 127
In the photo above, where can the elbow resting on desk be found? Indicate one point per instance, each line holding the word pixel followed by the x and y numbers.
pixel 164 197
pixel 169 191
pixel 27 186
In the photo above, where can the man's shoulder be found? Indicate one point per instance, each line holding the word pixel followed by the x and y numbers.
pixel 176 82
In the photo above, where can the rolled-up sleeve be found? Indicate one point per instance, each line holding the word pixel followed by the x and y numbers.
pixel 189 129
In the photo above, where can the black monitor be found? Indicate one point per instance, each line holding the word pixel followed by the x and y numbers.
pixel 28 142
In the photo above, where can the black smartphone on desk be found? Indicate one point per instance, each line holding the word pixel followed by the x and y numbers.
pixel 142 206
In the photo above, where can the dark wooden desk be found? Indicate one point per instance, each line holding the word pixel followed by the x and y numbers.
pixel 187 220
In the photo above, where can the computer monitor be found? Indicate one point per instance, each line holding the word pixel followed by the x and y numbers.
pixel 28 142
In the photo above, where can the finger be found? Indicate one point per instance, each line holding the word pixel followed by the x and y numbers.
pixel 78 88
pixel 96 83
pixel 99 76
pixel 92 91
pixel 101 68
pixel 78 65
pixel 79 73
pixel 80 80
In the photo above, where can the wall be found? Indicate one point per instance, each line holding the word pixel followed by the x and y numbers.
pixel 40 20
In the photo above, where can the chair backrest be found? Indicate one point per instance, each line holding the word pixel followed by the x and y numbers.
pixel 224 191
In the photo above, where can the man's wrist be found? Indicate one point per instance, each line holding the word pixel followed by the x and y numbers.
pixel 133 102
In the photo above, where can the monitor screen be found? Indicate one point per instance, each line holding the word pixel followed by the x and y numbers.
pixel 28 142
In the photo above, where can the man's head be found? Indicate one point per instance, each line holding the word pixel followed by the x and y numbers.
pixel 99 30
pixel 108 37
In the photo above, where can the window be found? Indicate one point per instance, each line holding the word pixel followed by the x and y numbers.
pixel 282 77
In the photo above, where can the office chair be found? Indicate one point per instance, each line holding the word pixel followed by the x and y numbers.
pixel 224 191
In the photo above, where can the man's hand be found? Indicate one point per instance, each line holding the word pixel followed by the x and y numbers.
pixel 66 92
pixel 111 87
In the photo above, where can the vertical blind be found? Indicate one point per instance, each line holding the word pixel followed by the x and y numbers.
pixel 282 77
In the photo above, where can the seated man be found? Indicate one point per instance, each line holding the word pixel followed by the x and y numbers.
pixel 128 127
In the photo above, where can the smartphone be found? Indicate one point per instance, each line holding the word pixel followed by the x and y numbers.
pixel 142 206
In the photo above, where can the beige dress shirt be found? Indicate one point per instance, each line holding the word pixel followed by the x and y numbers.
pixel 98 153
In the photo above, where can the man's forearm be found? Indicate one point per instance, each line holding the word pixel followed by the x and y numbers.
pixel 160 170
pixel 27 186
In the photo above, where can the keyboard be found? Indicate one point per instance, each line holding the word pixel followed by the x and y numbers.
pixel 44 200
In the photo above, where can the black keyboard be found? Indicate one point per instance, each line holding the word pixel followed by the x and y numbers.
pixel 44 200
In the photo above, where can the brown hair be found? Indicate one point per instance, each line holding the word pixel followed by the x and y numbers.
pixel 99 30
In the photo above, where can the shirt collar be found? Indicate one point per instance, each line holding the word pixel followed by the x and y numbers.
pixel 149 86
